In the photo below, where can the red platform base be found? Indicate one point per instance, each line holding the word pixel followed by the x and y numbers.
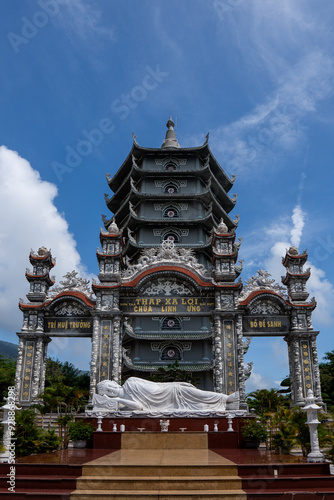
pixel 216 440
pixel 108 439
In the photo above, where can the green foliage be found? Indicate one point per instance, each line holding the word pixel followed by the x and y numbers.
pixel 264 401
pixel 173 373
pixel 29 438
pixel 66 393
pixel 51 441
pixel 298 421
pixel 7 375
pixel 59 373
pixel 326 435
pixel 80 430
pixel 327 379
pixel 253 429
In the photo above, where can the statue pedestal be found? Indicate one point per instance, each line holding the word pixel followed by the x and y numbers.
pixel 165 440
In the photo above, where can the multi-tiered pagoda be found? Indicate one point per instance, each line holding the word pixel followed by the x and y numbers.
pixel 168 288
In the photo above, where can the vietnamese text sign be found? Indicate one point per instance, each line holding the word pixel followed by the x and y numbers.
pixel 167 304
pixel 266 324
pixel 70 324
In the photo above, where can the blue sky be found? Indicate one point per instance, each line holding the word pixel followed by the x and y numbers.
pixel 79 76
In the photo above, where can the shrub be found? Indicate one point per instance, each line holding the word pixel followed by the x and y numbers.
pixel 254 430
pixel 80 430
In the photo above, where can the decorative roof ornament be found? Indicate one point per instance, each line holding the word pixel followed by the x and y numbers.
pixel 222 227
pixel 163 254
pixel 113 228
pixel 134 138
pixel 236 220
pixel 170 139
pixel 262 282
pixel 293 250
pixel 42 251
pixel 72 283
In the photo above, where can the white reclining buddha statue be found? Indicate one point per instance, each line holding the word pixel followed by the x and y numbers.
pixel 141 395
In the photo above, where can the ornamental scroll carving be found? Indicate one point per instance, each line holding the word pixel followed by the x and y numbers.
pixel 265 307
pixel 159 255
pixel 166 287
pixel 72 282
pixel 68 309
pixel 262 282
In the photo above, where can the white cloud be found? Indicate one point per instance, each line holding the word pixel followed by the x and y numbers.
pixel 298 221
pixel 29 219
pixel 267 254
pixel 257 381
pixel 276 126
pixel 85 19
pixel 323 291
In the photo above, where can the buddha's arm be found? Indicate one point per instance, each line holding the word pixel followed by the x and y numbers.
pixel 129 403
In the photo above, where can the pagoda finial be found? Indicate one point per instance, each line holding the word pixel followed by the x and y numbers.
pixel 170 139
pixel 113 228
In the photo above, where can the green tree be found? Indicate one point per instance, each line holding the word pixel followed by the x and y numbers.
pixel 60 373
pixel 288 426
pixel 173 373
pixel 65 393
pixel 327 379
pixel 29 438
pixel 264 401
pixel 7 375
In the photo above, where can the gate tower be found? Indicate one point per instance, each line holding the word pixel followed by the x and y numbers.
pixel 168 285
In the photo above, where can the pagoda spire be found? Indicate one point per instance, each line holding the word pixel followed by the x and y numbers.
pixel 170 139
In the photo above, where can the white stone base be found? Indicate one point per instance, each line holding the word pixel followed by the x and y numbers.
pixel 315 457
pixel 177 414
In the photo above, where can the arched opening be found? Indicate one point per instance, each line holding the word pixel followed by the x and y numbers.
pixel 171 323
pixel 170 167
pixel 171 212
pixel 171 353
pixel 269 356
pixel 171 236
pixel 170 188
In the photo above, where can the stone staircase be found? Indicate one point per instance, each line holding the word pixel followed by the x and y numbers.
pixel 160 466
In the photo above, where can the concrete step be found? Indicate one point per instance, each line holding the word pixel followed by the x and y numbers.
pixel 41 483
pixel 305 483
pixel 180 483
pixel 160 470
pixel 164 440
pixel 159 495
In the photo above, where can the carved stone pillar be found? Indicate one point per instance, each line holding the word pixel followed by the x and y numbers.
pixel 43 366
pixel 94 355
pixel 218 354
pixel 38 377
pixel 117 357
pixel 230 360
pixel 105 351
pixel 304 368
pixel 30 371
pixel 316 371
pixel 241 367
pixel 19 382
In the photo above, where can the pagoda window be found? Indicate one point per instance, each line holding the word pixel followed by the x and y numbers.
pixel 171 353
pixel 171 189
pixel 171 323
pixel 170 167
pixel 170 212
